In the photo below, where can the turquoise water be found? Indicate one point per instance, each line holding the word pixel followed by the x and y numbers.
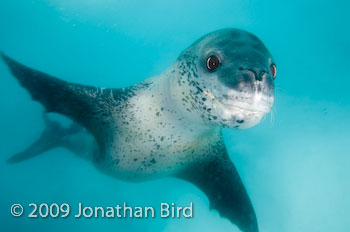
pixel 296 165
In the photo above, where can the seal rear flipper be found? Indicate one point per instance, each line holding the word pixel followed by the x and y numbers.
pixel 220 181
pixel 52 137
pixel 48 139
pixel 84 104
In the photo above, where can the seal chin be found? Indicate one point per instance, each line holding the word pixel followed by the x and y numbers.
pixel 242 107
pixel 240 118
pixel 240 115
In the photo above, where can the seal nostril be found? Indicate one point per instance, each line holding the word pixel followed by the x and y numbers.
pixel 255 75
pixel 261 76
pixel 258 77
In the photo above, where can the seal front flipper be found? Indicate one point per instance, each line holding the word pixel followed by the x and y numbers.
pixel 219 180
pixel 86 105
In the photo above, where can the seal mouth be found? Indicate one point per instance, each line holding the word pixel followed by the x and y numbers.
pixel 233 107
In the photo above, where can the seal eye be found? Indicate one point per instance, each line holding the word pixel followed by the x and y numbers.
pixel 212 63
pixel 273 70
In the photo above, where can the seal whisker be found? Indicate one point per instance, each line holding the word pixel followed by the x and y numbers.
pixel 272 115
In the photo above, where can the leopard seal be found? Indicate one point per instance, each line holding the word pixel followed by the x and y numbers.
pixel 170 124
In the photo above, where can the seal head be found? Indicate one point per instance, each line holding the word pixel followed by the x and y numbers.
pixel 230 76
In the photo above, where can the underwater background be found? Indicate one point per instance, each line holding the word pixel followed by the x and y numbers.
pixel 295 164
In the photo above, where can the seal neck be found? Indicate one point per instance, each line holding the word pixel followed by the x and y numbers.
pixel 170 97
